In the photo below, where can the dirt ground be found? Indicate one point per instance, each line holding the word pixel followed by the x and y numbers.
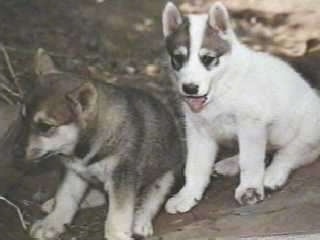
pixel 121 42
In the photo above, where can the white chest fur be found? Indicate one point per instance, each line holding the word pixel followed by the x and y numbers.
pixel 218 124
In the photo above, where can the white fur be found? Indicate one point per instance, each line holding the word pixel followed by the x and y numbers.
pixel 63 141
pixel 194 71
pixel 68 197
pixel 118 225
pixel 66 205
pixel 202 150
pixel 228 167
pixel 256 98
pixel 151 205
pixel 171 18
pixel 188 73
pixel 93 199
pixel 48 206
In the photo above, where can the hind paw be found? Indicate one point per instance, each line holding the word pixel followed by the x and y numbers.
pixel 228 167
pixel 274 179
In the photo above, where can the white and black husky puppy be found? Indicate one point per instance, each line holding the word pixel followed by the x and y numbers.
pixel 232 92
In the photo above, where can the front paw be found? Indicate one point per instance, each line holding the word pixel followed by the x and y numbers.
pixel 110 235
pixel 183 201
pixel 249 195
pixel 143 228
pixel 48 206
pixel 47 229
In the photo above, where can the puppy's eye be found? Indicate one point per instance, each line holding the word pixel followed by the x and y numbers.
pixel 177 61
pixel 208 60
pixel 44 127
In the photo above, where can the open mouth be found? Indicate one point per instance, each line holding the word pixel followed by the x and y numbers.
pixel 43 157
pixel 196 103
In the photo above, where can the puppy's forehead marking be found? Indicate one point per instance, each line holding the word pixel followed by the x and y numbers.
pixel 55 112
pixel 180 38
pixel 197 28
pixel 213 41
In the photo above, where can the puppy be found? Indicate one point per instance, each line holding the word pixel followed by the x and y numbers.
pixel 121 136
pixel 231 92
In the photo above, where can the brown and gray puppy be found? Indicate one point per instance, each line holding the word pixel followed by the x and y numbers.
pixel 122 136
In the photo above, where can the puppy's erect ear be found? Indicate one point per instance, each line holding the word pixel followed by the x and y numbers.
pixel 171 19
pixel 43 63
pixel 219 17
pixel 84 100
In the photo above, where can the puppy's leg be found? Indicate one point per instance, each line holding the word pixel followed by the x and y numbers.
pixel 121 189
pixel 202 150
pixel 94 198
pixel 304 149
pixel 100 170
pixel 67 201
pixel 48 205
pixel 252 143
pixel 287 159
pixel 150 205
pixel 228 167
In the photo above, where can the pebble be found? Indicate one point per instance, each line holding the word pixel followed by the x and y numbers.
pixel 152 70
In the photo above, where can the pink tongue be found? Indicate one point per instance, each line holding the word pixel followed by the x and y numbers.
pixel 196 104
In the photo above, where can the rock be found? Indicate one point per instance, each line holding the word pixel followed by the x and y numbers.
pixel 152 70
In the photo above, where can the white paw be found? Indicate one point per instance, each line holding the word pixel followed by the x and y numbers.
pixel 143 228
pixel 275 178
pixel 46 229
pixel 228 167
pixel 48 206
pixel 249 195
pixel 183 201
pixel 110 235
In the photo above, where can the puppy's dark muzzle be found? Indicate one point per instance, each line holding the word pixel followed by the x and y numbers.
pixel 18 154
pixel 35 166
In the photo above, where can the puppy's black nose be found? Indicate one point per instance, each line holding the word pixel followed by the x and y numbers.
pixel 190 88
